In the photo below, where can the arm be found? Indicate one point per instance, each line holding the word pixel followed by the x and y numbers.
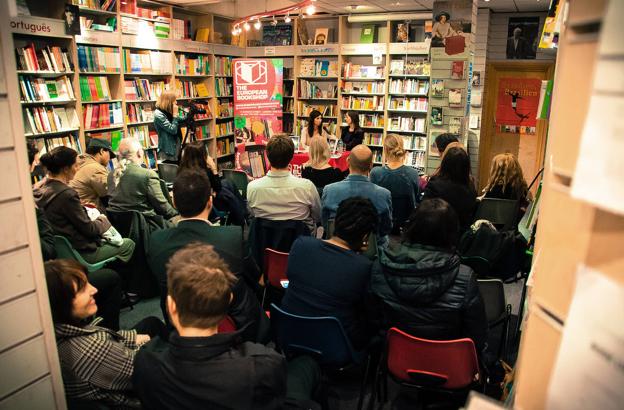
pixel 46 236
pixel 157 199
pixel 77 216
pixel 169 126
pixel 110 364
pixel 99 182
pixel 303 141
pixel 129 338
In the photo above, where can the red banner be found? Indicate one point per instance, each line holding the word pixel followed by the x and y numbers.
pixel 518 100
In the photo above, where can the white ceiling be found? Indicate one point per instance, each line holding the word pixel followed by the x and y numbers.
pixel 246 7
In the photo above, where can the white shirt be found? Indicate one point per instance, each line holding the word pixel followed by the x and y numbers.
pixel 282 196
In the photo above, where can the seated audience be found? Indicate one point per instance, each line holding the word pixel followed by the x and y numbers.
pixel 195 155
pixel 137 188
pixel 200 368
pixel 280 195
pixel 506 180
pixel 423 287
pixel 401 180
pixel 61 205
pixel 192 197
pixel 454 184
pixel 317 169
pixel 330 277
pixel 91 180
pixel 96 362
pixel 352 134
pixel 357 184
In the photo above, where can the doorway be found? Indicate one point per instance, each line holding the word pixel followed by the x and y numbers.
pixel 527 143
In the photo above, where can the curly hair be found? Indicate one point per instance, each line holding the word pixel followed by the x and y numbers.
pixel 506 172
pixel 355 219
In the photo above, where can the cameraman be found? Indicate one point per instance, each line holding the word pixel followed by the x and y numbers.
pixel 167 127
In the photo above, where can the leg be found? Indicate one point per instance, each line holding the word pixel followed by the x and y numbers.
pixel 108 297
pixel 105 251
pixel 153 327
pixel 303 376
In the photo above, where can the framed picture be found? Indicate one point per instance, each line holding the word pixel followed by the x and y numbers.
pixel 476 78
pixel 522 38
pixel 436 116
pixel 321 36
pixel 437 88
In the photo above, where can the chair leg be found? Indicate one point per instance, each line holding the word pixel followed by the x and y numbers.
pixel 506 334
pixel 364 380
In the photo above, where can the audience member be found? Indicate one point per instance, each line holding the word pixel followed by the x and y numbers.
pixel 424 289
pixel 443 140
pixel 91 180
pixel 137 188
pixel 61 205
pixel 330 277
pixel 357 184
pixel 401 180
pixel 454 184
pixel 352 134
pixel 314 129
pixel 192 197
pixel 96 362
pixel 317 169
pixel 200 368
pixel 280 195
pixel 195 155
pixel 506 180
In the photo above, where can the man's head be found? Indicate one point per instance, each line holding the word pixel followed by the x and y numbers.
pixel 360 160
pixel 130 149
pixel 101 150
pixel 517 33
pixel 192 193
pixel 280 150
pixel 199 287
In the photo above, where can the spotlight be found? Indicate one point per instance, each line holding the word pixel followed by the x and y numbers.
pixel 257 24
pixel 274 21
pixel 287 18
pixel 246 26
pixel 310 9
pixel 234 31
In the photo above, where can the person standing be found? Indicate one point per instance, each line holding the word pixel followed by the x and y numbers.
pixel 167 125
pixel 91 180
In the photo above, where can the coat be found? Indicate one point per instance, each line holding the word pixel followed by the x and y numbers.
pixel 426 292
pixel 169 136
pixel 61 206
pixel 462 198
pixel 91 182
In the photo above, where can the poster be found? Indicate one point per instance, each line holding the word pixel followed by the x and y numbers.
pixel 522 38
pixel 452 25
pixel 518 100
pixel 257 99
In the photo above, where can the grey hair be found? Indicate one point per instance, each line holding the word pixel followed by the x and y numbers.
pixel 129 149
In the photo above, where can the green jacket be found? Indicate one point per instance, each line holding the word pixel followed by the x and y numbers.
pixel 139 190
pixel 168 139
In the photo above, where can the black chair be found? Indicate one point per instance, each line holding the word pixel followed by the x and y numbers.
pixel 238 178
pixel 503 213
pixel 497 310
pixel 402 207
pixel 167 173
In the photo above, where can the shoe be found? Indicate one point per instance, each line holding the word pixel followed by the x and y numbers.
pixel 129 300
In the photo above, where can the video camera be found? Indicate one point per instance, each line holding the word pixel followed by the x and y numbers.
pixel 193 109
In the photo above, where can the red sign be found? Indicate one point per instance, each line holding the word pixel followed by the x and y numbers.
pixel 256 88
pixel 518 100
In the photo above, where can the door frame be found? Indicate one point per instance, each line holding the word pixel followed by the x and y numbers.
pixel 487 122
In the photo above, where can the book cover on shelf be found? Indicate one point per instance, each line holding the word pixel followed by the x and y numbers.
pixel 476 98
pixel 367 35
pixel 396 66
pixel 436 116
pixel 321 36
pixel 455 125
pixel 476 78
pixel 437 88
pixel 457 70
pixel 302 32
pixel 455 98
pixel 401 34
pixel 71 16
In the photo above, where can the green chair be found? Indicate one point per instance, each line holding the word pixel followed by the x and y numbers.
pixel 64 250
pixel 238 178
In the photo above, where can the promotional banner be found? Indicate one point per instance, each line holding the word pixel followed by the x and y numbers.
pixel 257 99
pixel 518 100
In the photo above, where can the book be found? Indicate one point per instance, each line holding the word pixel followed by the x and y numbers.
pixel 408 104
pixel 476 78
pixel 94 88
pixel 437 88
pixel 192 64
pixel 321 36
pixel 223 66
pixel 102 115
pixel 203 34
pixel 302 32
pixel 368 34
pixel 455 125
pixel 401 33
pixel 39 120
pixel 436 116
pixel 223 86
pixel 455 98
pixel 457 70
pixel 396 66
pixel 476 98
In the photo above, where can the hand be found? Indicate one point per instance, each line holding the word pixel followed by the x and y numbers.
pixel 211 164
pixel 142 339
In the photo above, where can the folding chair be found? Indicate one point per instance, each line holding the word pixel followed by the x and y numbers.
pixel 503 213
pixel 167 173
pixel 275 264
pixel 497 311
pixel 238 178
pixel 64 250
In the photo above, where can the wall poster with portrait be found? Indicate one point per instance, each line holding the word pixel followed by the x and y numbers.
pixel 452 25
pixel 522 38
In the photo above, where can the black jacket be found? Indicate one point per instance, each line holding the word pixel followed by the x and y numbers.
pixel 427 293
pixel 462 198
pixel 351 139
pixel 215 372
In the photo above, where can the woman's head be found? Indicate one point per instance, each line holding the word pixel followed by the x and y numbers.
pixel 455 166
pixel 352 117
pixel 433 223
pixel 319 152
pixel 355 219
pixel 442 140
pixel 507 172
pixel 194 156
pixel 393 147
pixel 314 122
pixel 166 102
pixel 61 161
pixel 69 291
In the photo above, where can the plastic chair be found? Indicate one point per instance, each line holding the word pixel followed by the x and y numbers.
pixel 497 310
pixel 64 250
pixel 167 172
pixel 227 325
pixel 320 337
pixel 238 178
pixel 275 264
pixel 503 213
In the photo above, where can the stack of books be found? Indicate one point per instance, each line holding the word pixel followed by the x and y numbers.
pixel 40 120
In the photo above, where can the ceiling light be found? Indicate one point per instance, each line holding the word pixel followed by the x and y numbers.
pixel 257 24
pixel 310 10
pixel 246 26
pixel 234 31
pixel 287 19
pixel 274 21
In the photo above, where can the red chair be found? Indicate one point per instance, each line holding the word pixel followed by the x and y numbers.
pixel 439 365
pixel 227 325
pixel 275 264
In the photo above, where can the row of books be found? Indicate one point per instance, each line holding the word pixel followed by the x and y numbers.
pixel 309 89
pixel 40 120
pixel 311 67
pixel 106 5
pixel 350 70
pixel 373 138
pixel 148 137
pixel 223 87
pixel 139 113
pixel 130 7
pixel 112 136
pixel 288 105
pixel 363 87
pixel 415 159
pixel 224 128
pixel 412 142
pixel 201 106
pixel 98 59
pixel 192 64
pixel 363 103
pixel 88 23
pixel 102 115
pixel 409 86
pixel 39 89
pixel 189 89
pixel 304 109
pixel 408 104
pixel 223 65
pixel 202 132
pixel 371 120
pixel 225 109
pixel 142 89
pixel 181 29
pixel 48 58
pixel 94 88
pixel 406 124
pixel 147 61
pixel 410 67
pixel 225 146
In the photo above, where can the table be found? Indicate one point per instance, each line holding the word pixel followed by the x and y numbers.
pixel 300 158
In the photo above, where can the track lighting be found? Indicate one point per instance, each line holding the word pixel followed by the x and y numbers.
pixel 246 26
pixel 287 19
pixel 257 24
pixel 310 10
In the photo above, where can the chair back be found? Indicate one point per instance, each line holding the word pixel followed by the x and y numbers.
pixel 501 212
pixel 448 364
pixel 493 294
pixel 277 235
pixel 402 207
pixel 322 337
pixel 275 264
pixel 167 172
pixel 64 250
pixel 227 325
pixel 238 178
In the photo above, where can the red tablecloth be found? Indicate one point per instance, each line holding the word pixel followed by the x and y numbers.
pixel 300 158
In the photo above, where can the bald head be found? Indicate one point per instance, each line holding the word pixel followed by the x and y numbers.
pixel 360 160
